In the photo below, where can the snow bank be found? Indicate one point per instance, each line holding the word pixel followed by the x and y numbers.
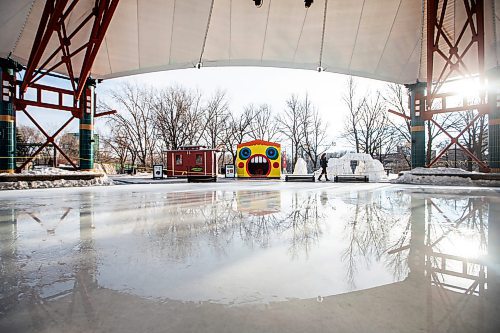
pixel 47 171
pixel 441 176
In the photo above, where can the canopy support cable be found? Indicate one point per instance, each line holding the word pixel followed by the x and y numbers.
pixel 206 31
pixel 323 34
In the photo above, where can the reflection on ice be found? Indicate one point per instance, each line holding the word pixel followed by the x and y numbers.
pixel 92 250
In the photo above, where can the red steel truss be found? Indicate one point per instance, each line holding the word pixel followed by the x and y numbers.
pixel 54 23
pixel 454 55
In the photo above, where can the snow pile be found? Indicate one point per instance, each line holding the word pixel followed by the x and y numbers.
pixel 366 166
pixel 52 171
pixel 437 171
pixel 107 168
pixel 300 167
pixel 440 176
pixel 100 180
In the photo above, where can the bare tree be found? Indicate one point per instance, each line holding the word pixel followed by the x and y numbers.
pixel 353 105
pixel 177 117
pixel 135 119
pixel 315 136
pixel 238 129
pixel 215 119
pixel 290 124
pixel 28 140
pixel 396 98
pixel 369 128
pixel 263 125
pixel 70 143
pixel 117 144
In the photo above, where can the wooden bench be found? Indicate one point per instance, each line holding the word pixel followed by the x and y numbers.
pixel 201 178
pixel 351 179
pixel 300 178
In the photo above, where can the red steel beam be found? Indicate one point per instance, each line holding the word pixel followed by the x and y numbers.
pixel 106 113
pixel 97 36
pixel 21 103
pixel 49 140
pixel 52 23
pixel 399 114
pixel 48 24
pixel 453 57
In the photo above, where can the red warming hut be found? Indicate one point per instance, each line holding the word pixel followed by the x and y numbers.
pixel 191 161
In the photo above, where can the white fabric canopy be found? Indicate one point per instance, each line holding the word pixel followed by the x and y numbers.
pixel 380 39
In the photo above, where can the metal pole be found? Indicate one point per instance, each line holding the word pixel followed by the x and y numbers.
pixel 7 116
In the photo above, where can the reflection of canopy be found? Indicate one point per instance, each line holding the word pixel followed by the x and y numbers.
pixel 380 39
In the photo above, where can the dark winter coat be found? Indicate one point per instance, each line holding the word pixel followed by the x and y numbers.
pixel 323 162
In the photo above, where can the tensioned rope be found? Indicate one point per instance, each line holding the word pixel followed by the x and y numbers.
pixel 206 31
pixel 24 25
pixel 230 27
pixel 265 31
pixel 171 35
pixel 323 35
pixel 356 38
pixel 388 37
pixel 422 22
pixel 300 35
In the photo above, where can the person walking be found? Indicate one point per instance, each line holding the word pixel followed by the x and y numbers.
pixel 323 163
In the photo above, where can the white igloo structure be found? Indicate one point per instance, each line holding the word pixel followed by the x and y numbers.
pixel 366 165
pixel 300 167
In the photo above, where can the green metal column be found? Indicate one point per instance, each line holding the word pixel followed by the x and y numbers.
pixel 7 117
pixel 87 104
pixel 493 261
pixel 416 256
pixel 494 119
pixel 417 107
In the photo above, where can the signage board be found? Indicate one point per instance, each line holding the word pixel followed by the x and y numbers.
pixel 158 171
pixel 230 171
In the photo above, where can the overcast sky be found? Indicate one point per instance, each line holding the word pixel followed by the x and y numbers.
pixel 243 85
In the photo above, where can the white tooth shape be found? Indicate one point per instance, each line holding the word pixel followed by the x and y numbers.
pixel 261 160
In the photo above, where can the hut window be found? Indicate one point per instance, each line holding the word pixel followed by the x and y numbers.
pixel 178 159
pixel 199 159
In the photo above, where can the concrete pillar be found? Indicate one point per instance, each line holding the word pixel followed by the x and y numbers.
pixel 87 104
pixel 494 119
pixel 7 117
pixel 417 107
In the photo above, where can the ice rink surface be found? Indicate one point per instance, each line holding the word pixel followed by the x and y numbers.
pixel 250 256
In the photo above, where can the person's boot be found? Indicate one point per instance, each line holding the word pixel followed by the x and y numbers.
pixel 327 180
pixel 319 179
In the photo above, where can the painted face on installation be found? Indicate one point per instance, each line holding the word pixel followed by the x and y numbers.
pixel 258 160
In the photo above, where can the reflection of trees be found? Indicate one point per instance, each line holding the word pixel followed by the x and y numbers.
pixel 190 218
pixel 368 231
pixel 304 223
